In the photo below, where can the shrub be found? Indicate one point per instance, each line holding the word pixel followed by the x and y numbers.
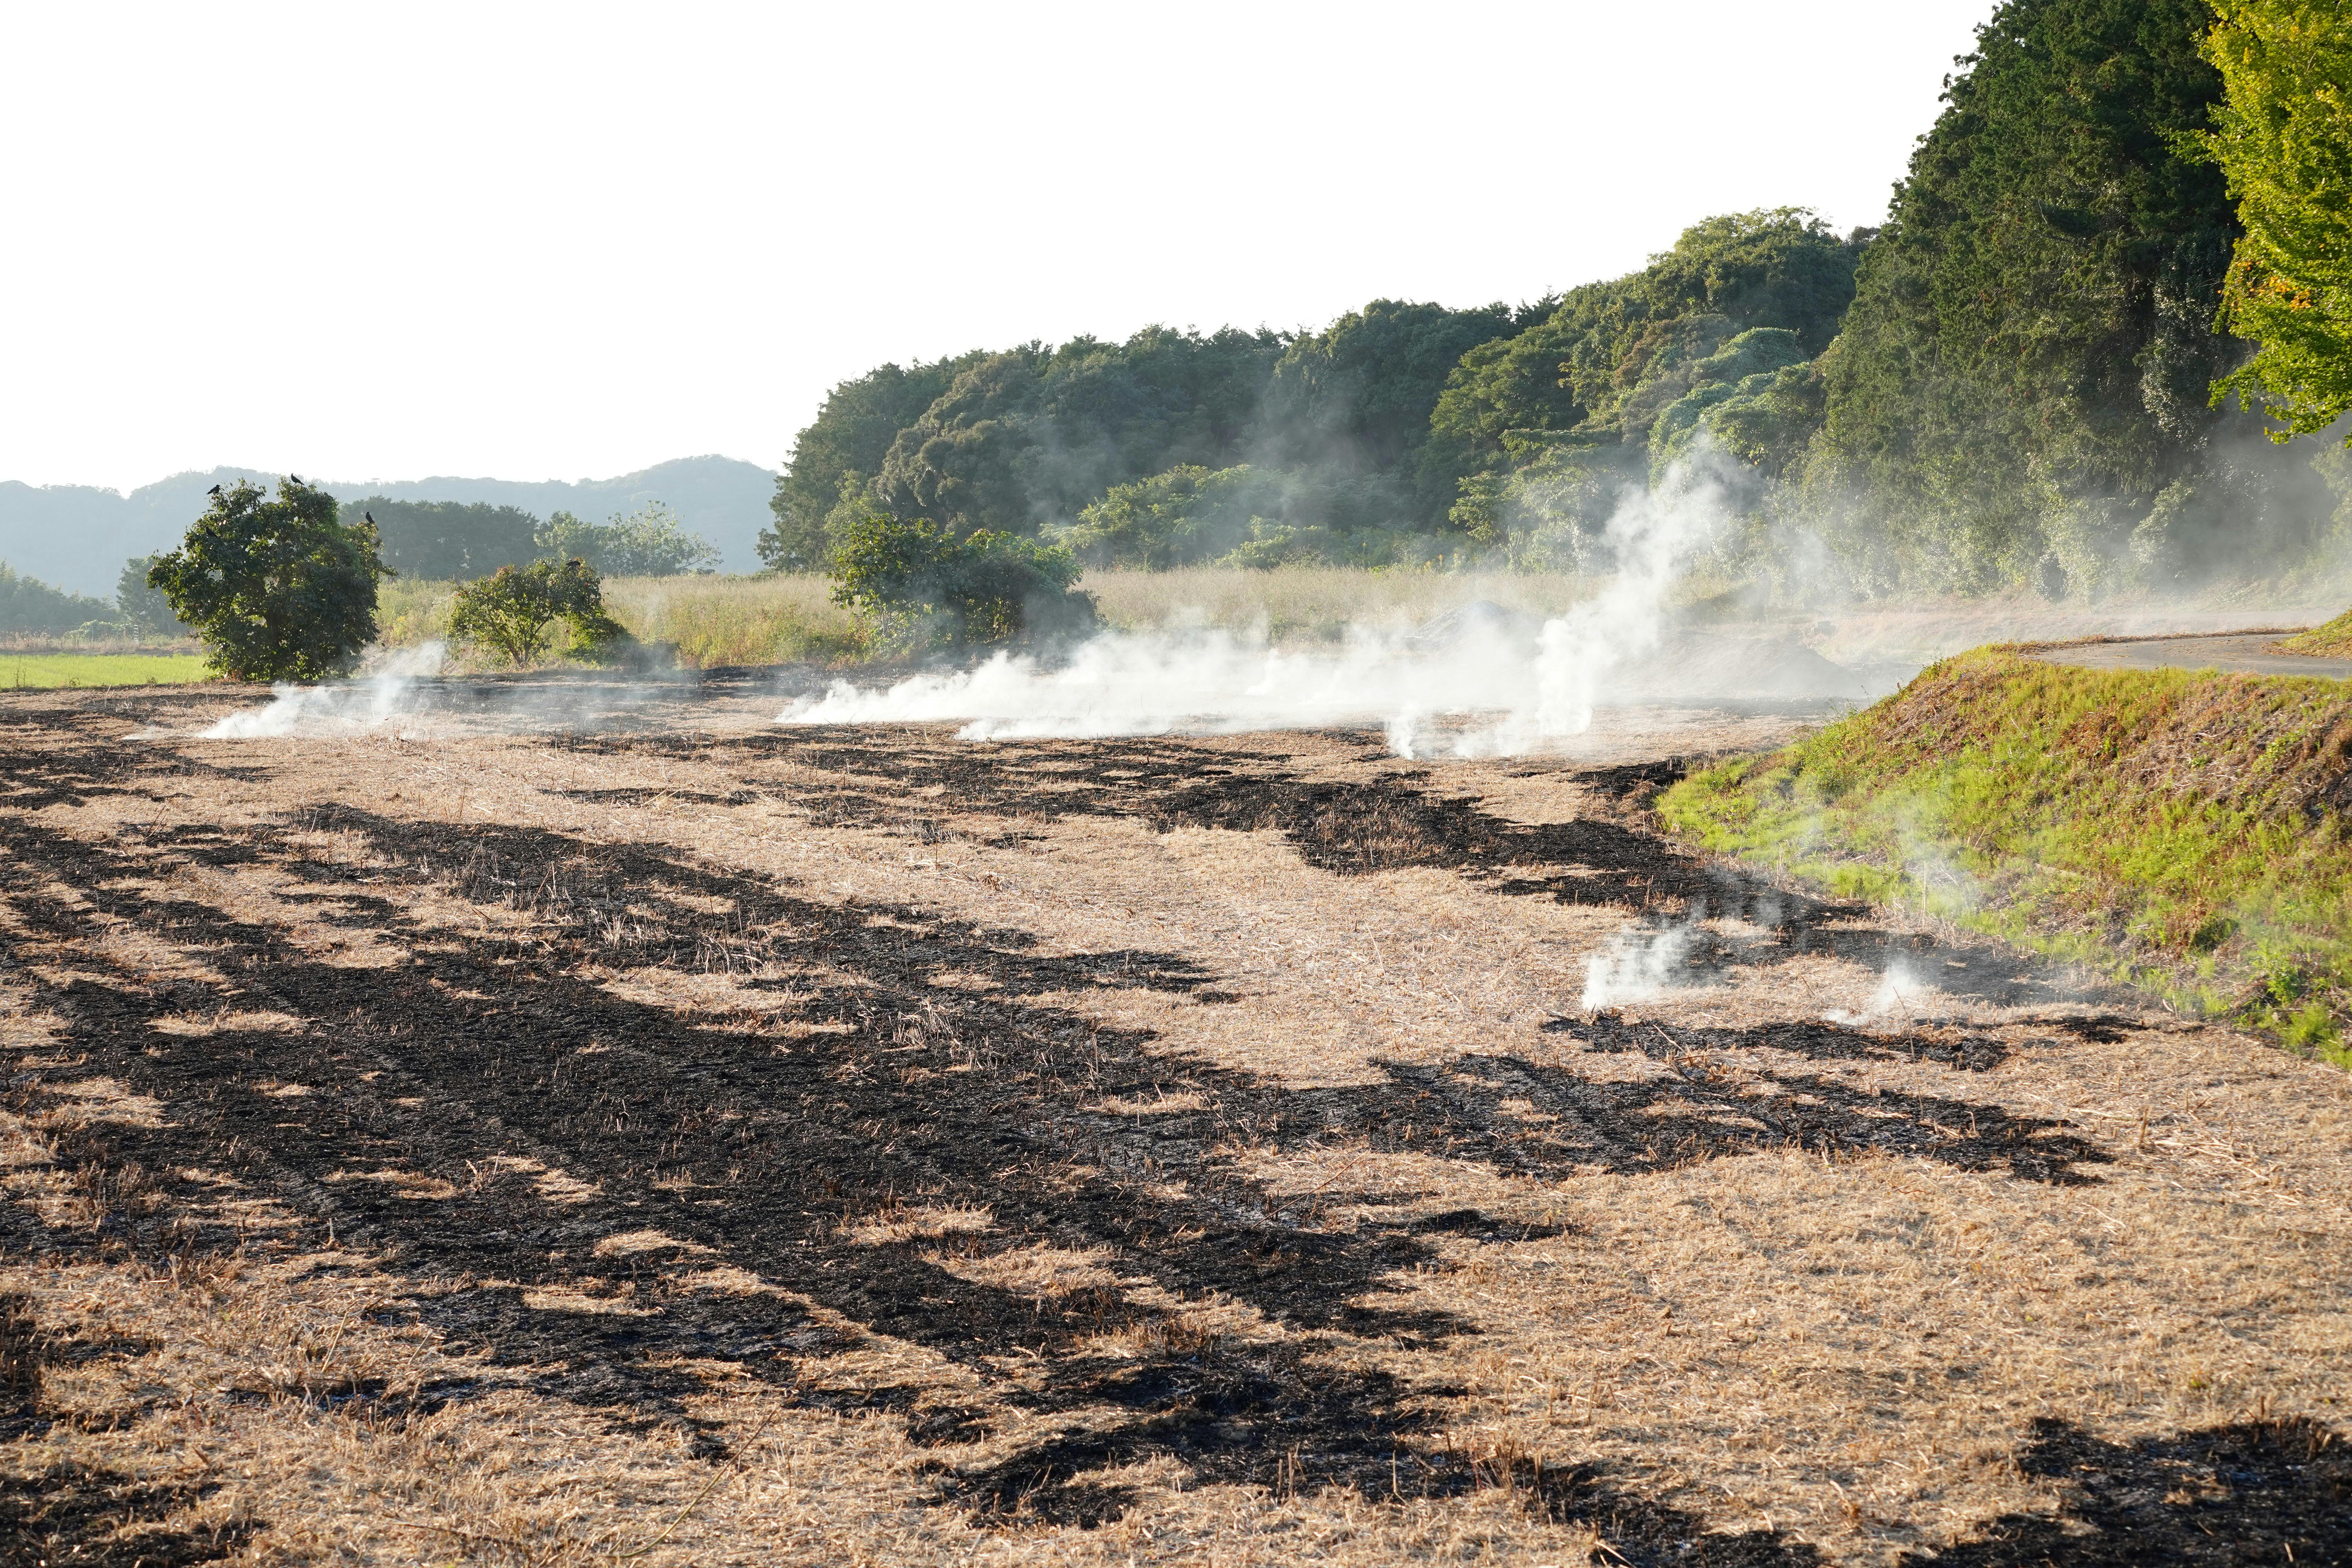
pixel 511 609
pixel 278 590
pixel 923 582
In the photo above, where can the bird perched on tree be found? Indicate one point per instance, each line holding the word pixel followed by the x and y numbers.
pixel 370 518
pixel 293 479
pixel 214 491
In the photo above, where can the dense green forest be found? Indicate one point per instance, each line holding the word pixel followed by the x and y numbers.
pixel 2013 382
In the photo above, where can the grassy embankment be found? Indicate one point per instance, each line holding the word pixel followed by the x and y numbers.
pixel 715 621
pixel 2189 832
pixel 2334 639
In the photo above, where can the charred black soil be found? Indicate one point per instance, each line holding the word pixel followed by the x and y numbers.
pixel 466 1094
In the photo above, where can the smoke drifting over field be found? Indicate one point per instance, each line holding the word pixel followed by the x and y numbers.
pixel 1522 683
pixel 386 695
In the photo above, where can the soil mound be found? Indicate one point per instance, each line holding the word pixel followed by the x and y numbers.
pixel 1700 666
pixel 1480 620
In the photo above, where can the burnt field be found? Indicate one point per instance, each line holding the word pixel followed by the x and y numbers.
pixel 699 1141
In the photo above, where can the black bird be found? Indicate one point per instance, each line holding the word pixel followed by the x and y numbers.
pixel 370 517
pixel 293 479
pixel 214 491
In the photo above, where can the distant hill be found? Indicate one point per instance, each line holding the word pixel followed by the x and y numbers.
pixel 78 536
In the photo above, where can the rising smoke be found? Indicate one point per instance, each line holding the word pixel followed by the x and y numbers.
pixel 1521 691
pixel 386 694
pixel 1636 964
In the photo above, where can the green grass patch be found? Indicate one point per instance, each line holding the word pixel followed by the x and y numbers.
pixel 2334 638
pixel 2184 831
pixel 28 671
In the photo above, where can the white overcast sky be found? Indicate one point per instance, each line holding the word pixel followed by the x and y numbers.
pixel 565 241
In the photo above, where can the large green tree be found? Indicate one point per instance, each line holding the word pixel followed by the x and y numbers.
pixel 447 541
pixel 1610 357
pixel 2028 358
pixel 851 434
pixel 277 588
pixel 1025 438
pixel 2282 137
pixel 1356 396
pixel 648 542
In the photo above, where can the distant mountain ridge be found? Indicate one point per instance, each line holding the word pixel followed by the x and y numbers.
pixel 76 537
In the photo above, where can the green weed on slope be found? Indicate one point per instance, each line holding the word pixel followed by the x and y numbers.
pixel 2184 830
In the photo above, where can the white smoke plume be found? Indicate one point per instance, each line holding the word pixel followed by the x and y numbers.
pixel 339 709
pixel 1636 965
pixel 1899 996
pixel 1519 697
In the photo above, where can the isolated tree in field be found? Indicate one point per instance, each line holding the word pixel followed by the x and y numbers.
pixel 2282 137
pixel 511 609
pixel 277 589
pixel 925 582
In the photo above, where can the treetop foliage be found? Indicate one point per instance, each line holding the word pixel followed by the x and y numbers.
pixel 648 542
pixel 435 540
pixel 851 434
pixel 277 588
pixel 2033 332
pixel 2282 138
pixel 29 604
pixel 2013 382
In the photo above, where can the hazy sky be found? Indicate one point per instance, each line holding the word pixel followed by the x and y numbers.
pixel 563 241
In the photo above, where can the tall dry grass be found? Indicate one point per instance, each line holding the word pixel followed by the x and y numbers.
pixel 711 620
pixel 1315 603
pixel 719 620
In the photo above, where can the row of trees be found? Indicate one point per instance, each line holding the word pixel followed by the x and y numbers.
pixel 2124 213
pixel 444 540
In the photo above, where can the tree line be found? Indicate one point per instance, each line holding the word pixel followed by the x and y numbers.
pixel 422 541
pixel 2112 273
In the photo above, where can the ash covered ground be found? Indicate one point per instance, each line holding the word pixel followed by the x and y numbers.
pixel 681 1135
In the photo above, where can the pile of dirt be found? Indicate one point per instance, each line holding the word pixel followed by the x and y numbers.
pixel 1700 666
pixel 1480 620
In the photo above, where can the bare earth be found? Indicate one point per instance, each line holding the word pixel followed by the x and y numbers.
pixel 703 1141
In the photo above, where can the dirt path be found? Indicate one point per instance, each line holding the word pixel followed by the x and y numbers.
pixel 2247 653
pixel 715 1144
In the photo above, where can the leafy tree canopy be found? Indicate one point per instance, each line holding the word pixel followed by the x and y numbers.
pixel 278 589
pixel 1611 357
pixel 2033 334
pixel 437 540
pixel 29 604
pixel 1356 396
pixel 648 542
pixel 511 610
pixel 1026 438
pixel 851 434
pixel 141 606
pixel 2283 137
pixel 926 582
pixel 1190 515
